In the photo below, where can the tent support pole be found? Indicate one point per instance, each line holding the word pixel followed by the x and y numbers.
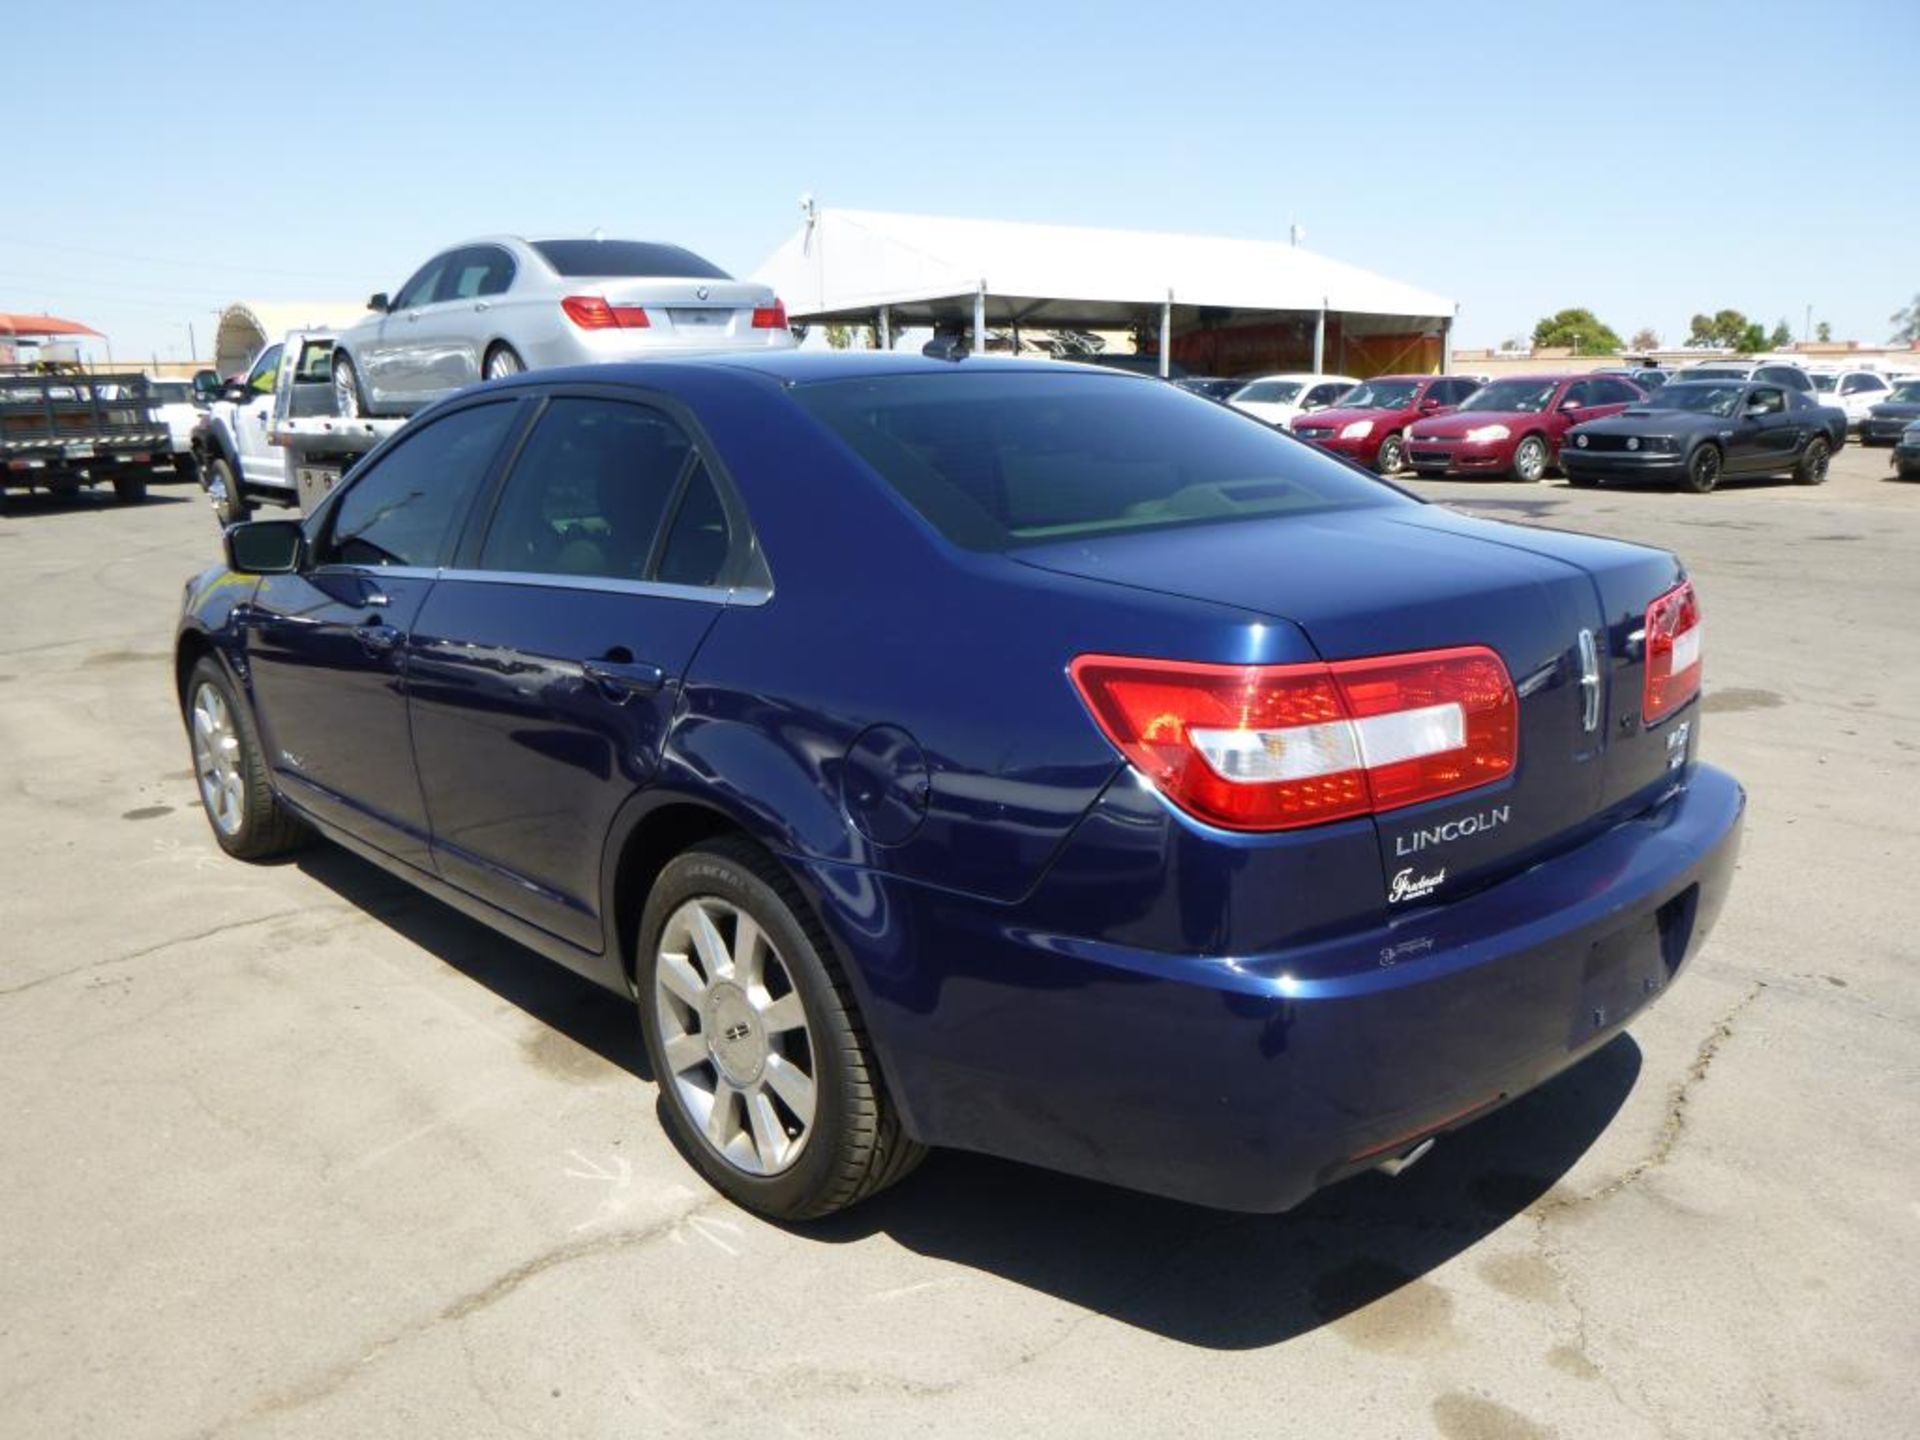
pixel 885 327
pixel 1166 336
pixel 1446 342
pixel 980 319
pixel 1320 341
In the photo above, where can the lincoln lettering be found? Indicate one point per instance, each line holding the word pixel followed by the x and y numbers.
pixel 1414 841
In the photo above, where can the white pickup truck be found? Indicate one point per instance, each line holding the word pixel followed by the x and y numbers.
pixel 275 438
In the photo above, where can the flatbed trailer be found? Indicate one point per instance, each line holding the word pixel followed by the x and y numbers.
pixel 61 432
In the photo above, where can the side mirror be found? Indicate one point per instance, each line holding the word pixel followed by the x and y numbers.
pixel 265 547
pixel 1429 405
pixel 236 392
pixel 378 301
pixel 1571 405
pixel 1755 410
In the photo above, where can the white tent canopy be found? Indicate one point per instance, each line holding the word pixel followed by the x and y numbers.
pixel 847 264
pixel 248 325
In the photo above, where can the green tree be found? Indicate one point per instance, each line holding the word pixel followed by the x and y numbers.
pixel 1781 337
pixel 1907 324
pixel 839 336
pixel 1753 339
pixel 1823 332
pixel 1577 329
pixel 1723 327
pixel 1645 338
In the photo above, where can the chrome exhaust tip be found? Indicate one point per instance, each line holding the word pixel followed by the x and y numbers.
pixel 1394 1165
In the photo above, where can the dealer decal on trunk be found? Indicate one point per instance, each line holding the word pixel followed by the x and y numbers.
pixel 1408 886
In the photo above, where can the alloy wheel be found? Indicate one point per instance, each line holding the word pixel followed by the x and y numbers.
pixel 1530 460
pixel 735 1036
pixel 1705 470
pixel 502 363
pixel 346 391
pixel 1393 455
pixel 217 761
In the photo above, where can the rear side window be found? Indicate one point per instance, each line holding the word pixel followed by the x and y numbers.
pixel 994 461
pixel 700 540
pixel 626 257
pixel 402 510
pixel 588 492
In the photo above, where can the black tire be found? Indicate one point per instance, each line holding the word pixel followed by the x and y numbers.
pixel 502 360
pixel 856 1146
pixel 263 828
pixel 1392 459
pixel 1812 466
pixel 349 399
pixel 1530 460
pixel 130 486
pixel 230 505
pixel 185 467
pixel 1703 470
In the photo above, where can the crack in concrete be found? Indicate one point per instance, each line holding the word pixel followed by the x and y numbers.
pixel 320 1386
pixel 158 946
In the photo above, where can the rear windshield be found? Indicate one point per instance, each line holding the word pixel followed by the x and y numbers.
pixel 1380 395
pixel 626 257
pixel 1907 394
pixel 998 461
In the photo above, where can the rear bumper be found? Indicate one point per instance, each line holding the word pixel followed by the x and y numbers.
pixel 1249 1082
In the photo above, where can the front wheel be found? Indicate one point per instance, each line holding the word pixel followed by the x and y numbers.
pixel 130 487
pixel 1814 460
pixel 1703 470
pixel 1530 459
pixel 223 489
pixel 767 1077
pixel 1393 455
pixel 248 820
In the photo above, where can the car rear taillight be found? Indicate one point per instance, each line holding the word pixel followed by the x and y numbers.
pixel 770 317
pixel 590 312
pixel 1275 747
pixel 1673 635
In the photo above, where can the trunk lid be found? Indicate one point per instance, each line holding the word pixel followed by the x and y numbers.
pixel 688 310
pixel 1395 579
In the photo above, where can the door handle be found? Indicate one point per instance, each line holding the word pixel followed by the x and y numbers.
pixel 480 305
pixel 620 681
pixel 377 639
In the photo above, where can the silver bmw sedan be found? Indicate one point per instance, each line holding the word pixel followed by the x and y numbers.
pixel 497 306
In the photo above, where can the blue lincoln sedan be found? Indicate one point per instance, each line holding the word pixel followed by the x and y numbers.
pixel 1020 757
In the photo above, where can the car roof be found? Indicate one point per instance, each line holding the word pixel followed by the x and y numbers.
pixel 799 367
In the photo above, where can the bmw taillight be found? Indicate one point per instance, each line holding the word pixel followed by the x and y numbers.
pixel 1673 635
pixel 1276 747
pixel 591 312
pixel 770 317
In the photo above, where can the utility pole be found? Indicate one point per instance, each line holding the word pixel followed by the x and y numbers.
pixel 1806 333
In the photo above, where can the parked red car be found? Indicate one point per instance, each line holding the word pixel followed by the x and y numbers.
pixel 1513 426
pixel 1369 424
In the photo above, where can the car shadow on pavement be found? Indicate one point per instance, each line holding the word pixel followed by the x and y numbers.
pixel 579 1009
pixel 1203 1277
pixel 1236 1282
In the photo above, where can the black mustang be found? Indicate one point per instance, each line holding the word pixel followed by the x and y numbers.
pixel 1886 421
pixel 1694 431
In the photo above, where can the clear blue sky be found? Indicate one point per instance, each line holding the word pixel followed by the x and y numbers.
pixel 1647 160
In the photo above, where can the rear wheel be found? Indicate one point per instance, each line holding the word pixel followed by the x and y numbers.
pixel 766 1074
pixel 1812 469
pixel 502 361
pixel 1703 470
pixel 1393 455
pixel 223 489
pixel 1530 459
pixel 130 486
pixel 248 819
pixel 348 403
